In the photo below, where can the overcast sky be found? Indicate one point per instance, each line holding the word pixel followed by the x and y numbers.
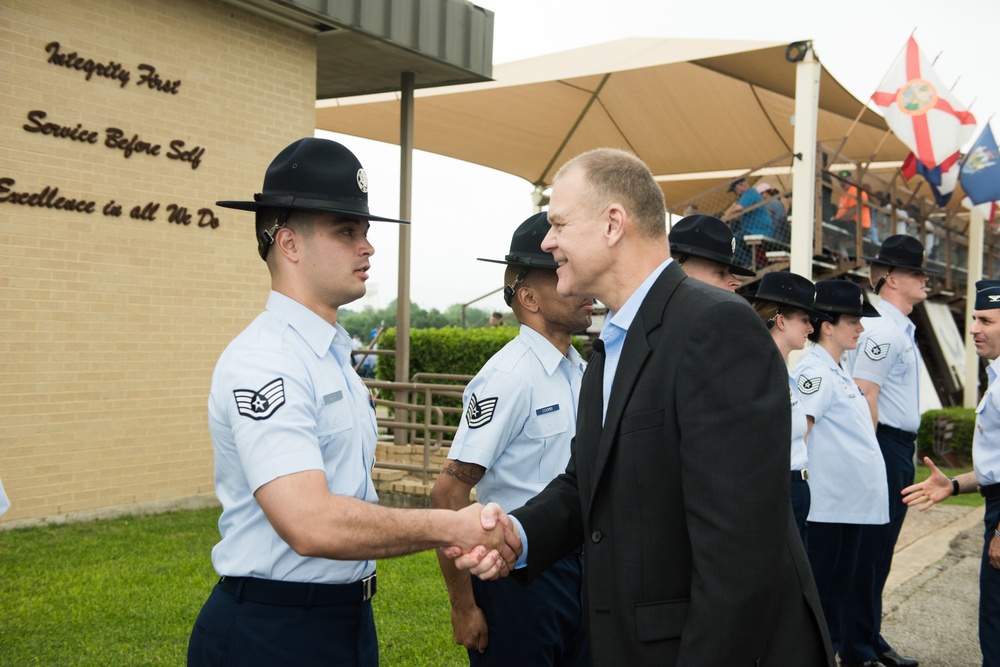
pixel 463 211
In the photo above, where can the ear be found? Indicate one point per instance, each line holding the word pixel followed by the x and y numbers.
pixel 527 298
pixel 286 241
pixel 616 221
pixel 779 321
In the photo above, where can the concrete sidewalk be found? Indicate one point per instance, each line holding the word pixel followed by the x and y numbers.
pixel 931 599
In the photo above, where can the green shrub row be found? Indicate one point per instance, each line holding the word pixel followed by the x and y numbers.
pixel 963 421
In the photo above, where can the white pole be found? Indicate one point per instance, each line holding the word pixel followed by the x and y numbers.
pixel 971 384
pixel 804 164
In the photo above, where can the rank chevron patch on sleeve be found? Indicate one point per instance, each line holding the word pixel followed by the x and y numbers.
pixel 809 385
pixel 261 403
pixel 480 411
pixel 876 351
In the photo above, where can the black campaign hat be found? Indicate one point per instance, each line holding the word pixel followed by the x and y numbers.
pixel 844 298
pixel 987 294
pixel 706 237
pixel 902 251
pixel 789 289
pixel 526 245
pixel 314 174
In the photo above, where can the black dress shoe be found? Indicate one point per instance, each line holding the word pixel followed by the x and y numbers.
pixel 893 659
pixel 866 663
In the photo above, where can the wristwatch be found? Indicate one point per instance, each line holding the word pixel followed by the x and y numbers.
pixel 954 487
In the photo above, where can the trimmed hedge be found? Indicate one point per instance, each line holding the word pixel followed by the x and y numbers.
pixel 448 350
pixel 964 425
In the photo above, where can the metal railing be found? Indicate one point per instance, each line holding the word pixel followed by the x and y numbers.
pixel 431 432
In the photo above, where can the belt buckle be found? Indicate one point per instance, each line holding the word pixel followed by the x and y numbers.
pixel 367 584
pixel 805 474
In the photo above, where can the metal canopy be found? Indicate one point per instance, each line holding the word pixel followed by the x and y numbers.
pixel 363 47
pixel 683 105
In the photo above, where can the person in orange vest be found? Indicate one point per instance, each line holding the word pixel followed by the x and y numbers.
pixel 847 208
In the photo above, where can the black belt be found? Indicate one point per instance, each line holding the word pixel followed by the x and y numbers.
pixel 990 491
pixel 898 432
pixel 295 594
pixel 800 475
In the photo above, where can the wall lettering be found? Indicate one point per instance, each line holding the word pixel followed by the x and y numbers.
pixel 49 197
pixel 149 78
pixel 115 138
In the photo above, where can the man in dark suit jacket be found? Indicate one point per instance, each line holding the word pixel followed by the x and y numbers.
pixel 678 482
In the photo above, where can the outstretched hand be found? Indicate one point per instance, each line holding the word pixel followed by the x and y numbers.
pixel 932 490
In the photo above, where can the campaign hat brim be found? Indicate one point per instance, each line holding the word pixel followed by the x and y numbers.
pixel 725 260
pixel 900 265
pixel 811 312
pixel 299 204
pixel 527 262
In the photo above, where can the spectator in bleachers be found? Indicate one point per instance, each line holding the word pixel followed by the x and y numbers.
pixel 752 217
pixel 777 210
pixel 847 209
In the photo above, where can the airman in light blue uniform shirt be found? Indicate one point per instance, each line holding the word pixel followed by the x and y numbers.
pixel 846 472
pixel 319 412
pixel 528 392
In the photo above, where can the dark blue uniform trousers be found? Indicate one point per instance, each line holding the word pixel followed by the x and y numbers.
pixel 231 631
pixel 833 555
pixel 862 638
pixel 541 624
pixel 989 592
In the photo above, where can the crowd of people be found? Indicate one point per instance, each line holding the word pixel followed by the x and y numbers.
pixel 681 498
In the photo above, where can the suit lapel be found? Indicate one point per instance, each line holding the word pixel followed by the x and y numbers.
pixel 635 352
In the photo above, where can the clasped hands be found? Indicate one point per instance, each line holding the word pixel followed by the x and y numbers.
pixel 490 542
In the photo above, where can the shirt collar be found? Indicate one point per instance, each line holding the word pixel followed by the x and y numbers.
pixel 993 370
pixel 547 353
pixel 824 356
pixel 626 314
pixel 317 332
pixel 895 314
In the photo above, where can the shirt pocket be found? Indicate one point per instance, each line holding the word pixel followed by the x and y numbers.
pixel 541 455
pixel 546 425
pixel 334 416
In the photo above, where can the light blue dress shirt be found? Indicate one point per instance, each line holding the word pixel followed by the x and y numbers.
pixel 847 478
pixel 285 399
pixel 986 439
pixel 887 355
pixel 616 328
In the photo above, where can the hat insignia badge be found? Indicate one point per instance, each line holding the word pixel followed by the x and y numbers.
pixel 861 299
pixel 734 244
pixel 362 180
pixel 993 297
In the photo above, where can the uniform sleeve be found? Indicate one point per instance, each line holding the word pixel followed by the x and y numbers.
pixel 876 352
pixel 270 406
pixel 494 413
pixel 813 389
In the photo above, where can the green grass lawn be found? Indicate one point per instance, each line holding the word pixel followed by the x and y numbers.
pixel 126 591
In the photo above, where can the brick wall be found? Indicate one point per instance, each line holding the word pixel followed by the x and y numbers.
pixel 111 325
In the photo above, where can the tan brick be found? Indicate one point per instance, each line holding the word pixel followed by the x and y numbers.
pixel 112 326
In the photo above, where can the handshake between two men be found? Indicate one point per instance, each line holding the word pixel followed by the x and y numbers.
pixel 496 556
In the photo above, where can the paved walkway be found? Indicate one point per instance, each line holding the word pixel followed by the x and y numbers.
pixel 930 605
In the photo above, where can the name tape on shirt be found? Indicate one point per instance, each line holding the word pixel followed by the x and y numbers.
pixel 876 351
pixel 480 411
pixel 333 398
pixel 547 409
pixel 809 385
pixel 260 403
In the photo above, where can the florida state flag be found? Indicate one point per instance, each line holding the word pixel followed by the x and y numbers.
pixel 920 109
